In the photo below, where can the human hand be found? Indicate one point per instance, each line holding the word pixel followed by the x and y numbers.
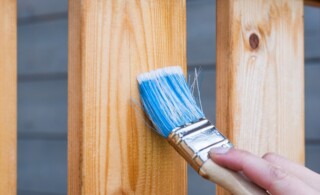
pixel 272 172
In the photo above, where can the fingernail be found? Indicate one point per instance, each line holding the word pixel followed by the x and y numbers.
pixel 219 150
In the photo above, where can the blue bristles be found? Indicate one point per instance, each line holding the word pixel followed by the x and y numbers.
pixel 167 99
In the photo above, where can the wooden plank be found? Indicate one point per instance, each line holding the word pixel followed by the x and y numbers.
pixel 201 32
pixel 42 166
pixel 37 42
pixel 312 112
pixel 110 149
pixel 207 79
pixel 260 76
pixel 8 98
pixel 315 3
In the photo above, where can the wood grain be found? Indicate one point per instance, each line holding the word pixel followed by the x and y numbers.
pixel 260 92
pixel 8 97
pixel 111 151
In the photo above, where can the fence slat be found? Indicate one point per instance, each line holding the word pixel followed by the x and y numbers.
pixel 8 97
pixel 260 76
pixel 111 151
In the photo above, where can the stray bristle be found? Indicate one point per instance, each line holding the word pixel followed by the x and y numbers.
pixel 167 99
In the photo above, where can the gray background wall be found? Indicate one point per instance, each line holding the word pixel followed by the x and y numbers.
pixel 42 89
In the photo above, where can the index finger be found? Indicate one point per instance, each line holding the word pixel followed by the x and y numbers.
pixel 269 176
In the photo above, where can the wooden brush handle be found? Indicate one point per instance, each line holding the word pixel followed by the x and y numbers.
pixel 230 180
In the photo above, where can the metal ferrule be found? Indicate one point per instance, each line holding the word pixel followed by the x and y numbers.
pixel 193 141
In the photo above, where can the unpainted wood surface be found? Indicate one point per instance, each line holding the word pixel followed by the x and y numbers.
pixel 111 151
pixel 8 99
pixel 44 35
pixel 42 59
pixel 260 91
pixel 46 131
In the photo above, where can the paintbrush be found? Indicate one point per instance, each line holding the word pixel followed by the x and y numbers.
pixel 171 107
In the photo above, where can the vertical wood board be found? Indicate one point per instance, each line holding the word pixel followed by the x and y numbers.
pixel 260 79
pixel 8 97
pixel 111 150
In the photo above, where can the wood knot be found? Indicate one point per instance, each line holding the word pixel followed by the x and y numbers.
pixel 254 41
